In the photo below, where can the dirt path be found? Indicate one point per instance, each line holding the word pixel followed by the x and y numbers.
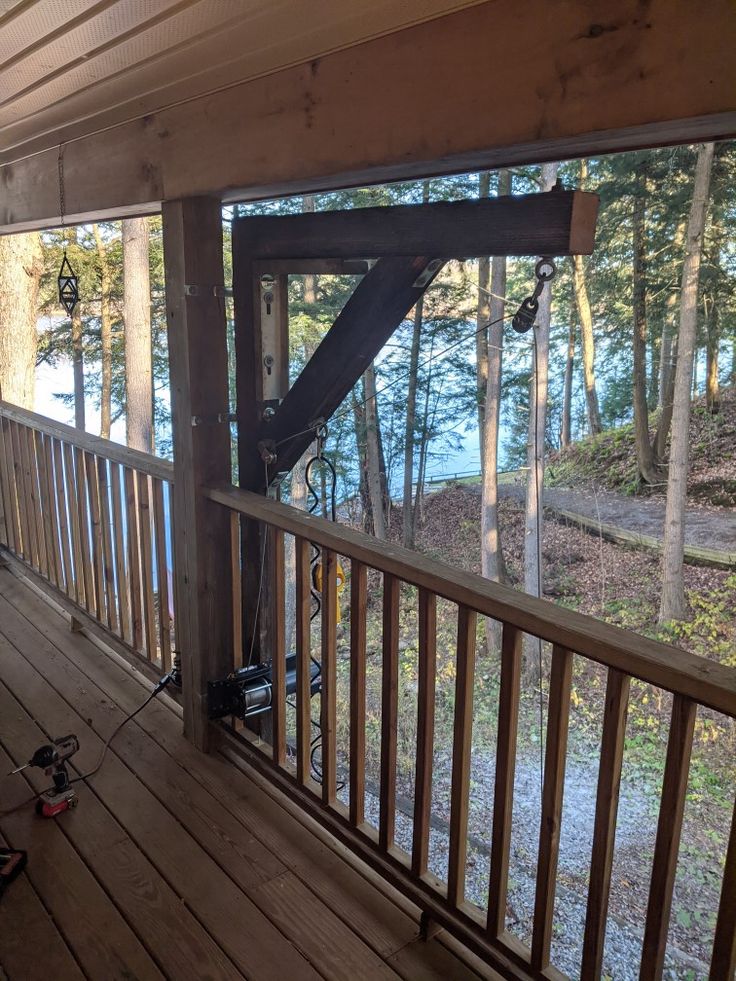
pixel 708 528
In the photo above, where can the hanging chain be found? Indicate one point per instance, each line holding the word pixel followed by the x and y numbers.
pixel 523 321
pixel 67 278
pixel 62 202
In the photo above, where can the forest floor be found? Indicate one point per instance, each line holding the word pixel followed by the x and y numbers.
pixel 620 585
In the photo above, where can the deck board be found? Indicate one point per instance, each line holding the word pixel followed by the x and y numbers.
pixel 253 891
pixel 103 942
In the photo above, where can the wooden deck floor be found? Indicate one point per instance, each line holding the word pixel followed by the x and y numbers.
pixel 174 864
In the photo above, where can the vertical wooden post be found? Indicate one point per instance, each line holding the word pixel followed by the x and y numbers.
pixel 261 302
pixel 195 311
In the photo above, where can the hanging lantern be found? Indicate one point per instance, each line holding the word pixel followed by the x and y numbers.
pixel 68 289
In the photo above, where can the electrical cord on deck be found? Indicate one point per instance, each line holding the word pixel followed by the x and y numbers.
pixel 156 691
pixel 167 679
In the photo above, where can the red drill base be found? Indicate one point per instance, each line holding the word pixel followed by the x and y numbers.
pixel 50 805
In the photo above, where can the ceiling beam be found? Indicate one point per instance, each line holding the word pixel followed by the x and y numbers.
pixel 561 223
pixel 496 84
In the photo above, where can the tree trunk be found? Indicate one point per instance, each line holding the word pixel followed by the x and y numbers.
pixel 360 442
pixel 423 445
pixel 105 335
pixel 669 354
pixel 566 435
pixel 373 454
pixel 410 430
pixel 483 317
pixel 492 562
pixel 21 263
pixel 644 450
pixel 713 318
pixel 673 594
pixel 586 331
pixel 533 573
pixel 712 385
pixel 137 318
pixel 78 368
pixel 411 414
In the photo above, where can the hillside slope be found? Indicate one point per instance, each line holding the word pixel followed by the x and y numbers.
pixel 609 460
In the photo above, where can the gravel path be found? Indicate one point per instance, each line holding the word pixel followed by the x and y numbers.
pixel 708 527
pixel 634 838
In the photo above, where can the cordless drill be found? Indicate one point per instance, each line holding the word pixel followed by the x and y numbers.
pixel 52 759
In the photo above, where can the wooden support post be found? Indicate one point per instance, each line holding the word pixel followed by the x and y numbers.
pixel 261 381
pixel 195 311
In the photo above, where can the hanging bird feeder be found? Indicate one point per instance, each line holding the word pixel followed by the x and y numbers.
pixel 68 286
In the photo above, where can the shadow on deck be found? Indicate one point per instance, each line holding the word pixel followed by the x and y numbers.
pixel 174 864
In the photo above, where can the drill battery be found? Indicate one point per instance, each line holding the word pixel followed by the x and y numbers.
pixel 12 863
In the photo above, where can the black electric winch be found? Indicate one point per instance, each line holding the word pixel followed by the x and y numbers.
pixel 249 691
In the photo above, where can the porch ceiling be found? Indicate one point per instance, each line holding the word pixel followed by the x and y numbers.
pixel 73 67
pixel 284 96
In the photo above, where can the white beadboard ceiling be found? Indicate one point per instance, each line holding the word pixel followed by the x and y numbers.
pixel 72 67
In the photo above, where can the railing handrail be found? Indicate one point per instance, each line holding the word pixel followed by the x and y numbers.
pixel 663 665
pixel 155 466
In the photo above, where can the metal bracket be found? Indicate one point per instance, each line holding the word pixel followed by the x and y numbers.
pixel 428 274
pixel 221 417
pixel 194 290
pixel 267 451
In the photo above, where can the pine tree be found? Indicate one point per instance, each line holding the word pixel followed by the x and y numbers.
pixel 673 593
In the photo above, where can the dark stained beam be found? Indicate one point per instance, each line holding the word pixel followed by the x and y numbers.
pixel 381 301
pixel 561 223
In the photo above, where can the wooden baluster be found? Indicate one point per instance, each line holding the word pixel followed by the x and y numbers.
pixel 144 518
pixel 461 749
pixel 85 529
pixel 70 489
pixel 162 575
pixel 303 659
pixel 5 494
pixel 134 567
pixel 358 614
pixel 34 439
pixel 389 711
pixel 30 494
pixel 503 798
pixel 63 516
pixel 13 484
pixel 108 564
pixel 22 492
pixel 55 517
pixel 44 506
pixel 328 706
pixel 671 809
pixel 8 481
pixel 278 649
pixel 237 586
pixel 558 716
pixel 93 490
pixel 604 829
pixel 723 961
pixel 121 574
pixel 425 730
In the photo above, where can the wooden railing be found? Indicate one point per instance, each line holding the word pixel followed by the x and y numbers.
pixel 285 760
pixel 93 519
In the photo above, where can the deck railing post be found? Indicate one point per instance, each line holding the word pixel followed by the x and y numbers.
pixel 195 312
